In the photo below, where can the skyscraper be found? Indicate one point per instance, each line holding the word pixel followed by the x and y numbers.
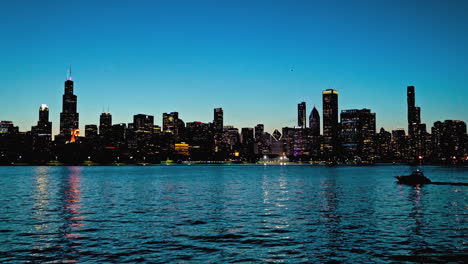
pixel 416 129
pixel 91 131
pixel 170 122
pixel 42 132
pixel 218 119
pixel 105 124
pixel 358 133
pixel 301 115
pixel 314 122
pixel 247 139
pixel 143 123
pixel 69 116
pixel 330 121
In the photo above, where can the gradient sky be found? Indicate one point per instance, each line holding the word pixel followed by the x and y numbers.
pixel 192 56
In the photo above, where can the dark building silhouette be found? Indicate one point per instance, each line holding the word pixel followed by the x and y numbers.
pixel 449 140
pixel 358 133
pixel 247 139
pixel 199 136
pixel 218 119
pixel 383 144
pixel 105 124
pixel 416 130
pixel 218 125
pixel 143 123
pixel 314 122
pixel 69 116
pixel 91 131
pixel 399 146
pixel 231 139
pixel 261 140
pixel 42 132
pixel 301 115
pixel 330 122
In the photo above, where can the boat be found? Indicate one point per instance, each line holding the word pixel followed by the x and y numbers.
pixel 417 177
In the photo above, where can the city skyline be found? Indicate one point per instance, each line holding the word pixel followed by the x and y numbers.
pixel 159 117
pixel 261 58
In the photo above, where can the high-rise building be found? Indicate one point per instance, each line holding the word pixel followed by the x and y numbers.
pixel 247 139
pixel 330 121
pixel 91 131
pixel 399 144
pixel 416 130
pixel 301 115
pixel 43 127
pixel 218 119
pixel 143 123
pixel 8 127
pixel 105 124
pixel 414 112
pixel 42 132
pixel 69 116
pixel 259 129
pixel 314 122
pixel 383 144
pixel 358 133
pixel 170 122
pixel 449 140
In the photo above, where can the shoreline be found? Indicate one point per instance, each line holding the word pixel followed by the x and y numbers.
pixel 227 164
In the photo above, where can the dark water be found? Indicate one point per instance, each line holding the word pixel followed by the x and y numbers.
pixel 220 214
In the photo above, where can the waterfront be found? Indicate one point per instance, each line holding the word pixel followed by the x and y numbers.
pixel 230 213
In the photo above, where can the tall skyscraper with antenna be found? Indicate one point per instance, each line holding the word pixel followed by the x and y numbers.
pixel 69 116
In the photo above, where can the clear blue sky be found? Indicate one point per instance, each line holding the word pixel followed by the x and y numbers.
pixel 192 56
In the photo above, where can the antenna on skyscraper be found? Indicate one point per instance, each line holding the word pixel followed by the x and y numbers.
pixel 69 75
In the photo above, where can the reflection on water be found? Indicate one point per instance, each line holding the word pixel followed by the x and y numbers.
pixel 223 214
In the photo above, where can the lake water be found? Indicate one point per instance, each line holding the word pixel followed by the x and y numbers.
pixel 226 214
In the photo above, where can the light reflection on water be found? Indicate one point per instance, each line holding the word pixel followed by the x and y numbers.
pixel 222 214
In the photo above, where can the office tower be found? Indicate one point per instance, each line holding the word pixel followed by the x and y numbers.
pixel 143 123
pixel 261 142
pixel 413 111
pixel 91 131
pixel 170 122
pixel 43 127
pixel 7 127
pixel 118 134
pixel 42 132
pixel 399 144
pixel 330 121
pixel 69 116
pixel 416 129
pixel 301 115
pixel 358 133
pixel 259 129
pixel 218 131
pixel 105 124
pixel 383 144
pixel 449 140
pixel 295 141
pixel 231 138
pixel 199 135
pixel 247 139
pixel 276 145
pixel 314 122
pixel 218 119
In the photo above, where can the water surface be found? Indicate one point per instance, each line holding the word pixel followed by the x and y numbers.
pixel 227 214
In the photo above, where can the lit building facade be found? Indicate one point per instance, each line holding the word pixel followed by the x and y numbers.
pixel 330 122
